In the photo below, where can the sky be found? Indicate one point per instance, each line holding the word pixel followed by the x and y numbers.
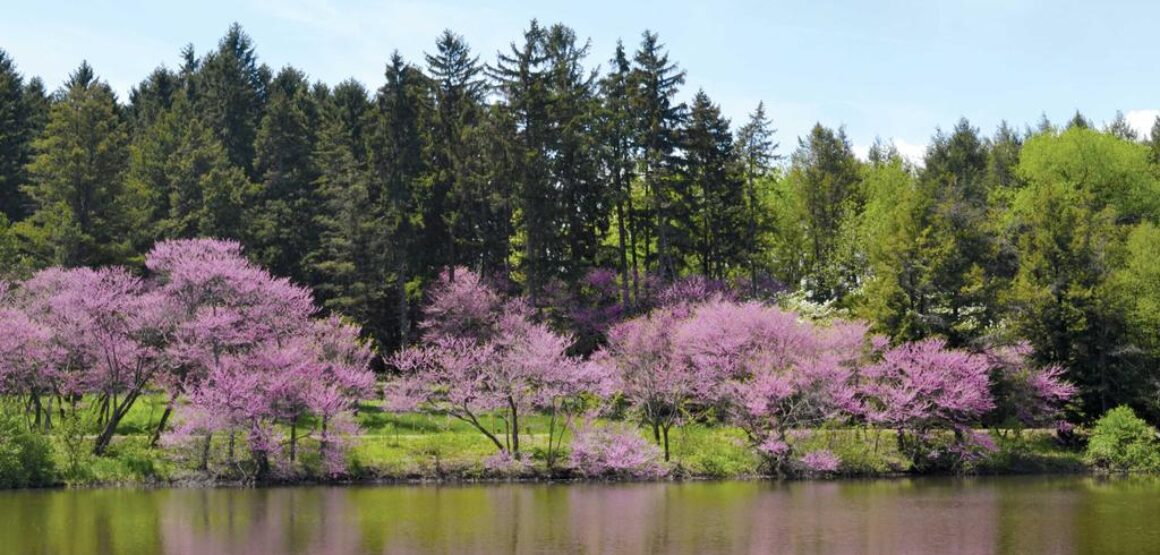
pixel 898 70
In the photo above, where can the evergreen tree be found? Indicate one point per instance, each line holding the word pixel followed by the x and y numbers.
pixel 573 155
pixel 230 89
pixel 193 189
pixel 85 213
pixel 283 215
pixel 152 98
pixel 458 95
pixel 618 159
pixel 522 78
pixel 715 193
pixel 757 152
pixel 654 86
pixel 15 140
pixel 1119 128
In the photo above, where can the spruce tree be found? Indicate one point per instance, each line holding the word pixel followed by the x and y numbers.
pixel 230 89
pixel 283 214
pixel 617 147
pixel 654 85
pixel 714 195
pixel 15 140
pixel 458 94
pixel 757 152
pixel 85 212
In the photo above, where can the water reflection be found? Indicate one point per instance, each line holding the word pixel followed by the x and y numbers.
pixel 1000 515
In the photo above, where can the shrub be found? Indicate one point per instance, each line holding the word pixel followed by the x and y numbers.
pixel 615 451
pixel 822 462
pixel 1123 442
pixel 25 455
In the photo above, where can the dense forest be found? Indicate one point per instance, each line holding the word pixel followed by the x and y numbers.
pixel 581 180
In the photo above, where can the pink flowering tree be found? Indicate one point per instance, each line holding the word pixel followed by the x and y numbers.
pixel 774 373
pixel 1026 394
pixel 922 388
pixel 484 354
pixel 106 330
pixel 27 362
pixel 252 358
pixel 646 362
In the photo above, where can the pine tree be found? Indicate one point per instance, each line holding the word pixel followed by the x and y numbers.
pixel 152 98
pixel 618 160
pixel 574 160
pixel 757 152
pixel 400 166
pixel 283 216
pixel 715 194
pixel 458 93
pixel 654 85
pixel 85 213
pixel 15 140
pixel 230 89
pixel 193 189
pixel 1119 128
pixel 522 78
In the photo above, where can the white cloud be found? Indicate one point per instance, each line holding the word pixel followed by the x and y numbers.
pixel 1141 121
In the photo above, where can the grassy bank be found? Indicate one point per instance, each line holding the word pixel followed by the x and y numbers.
pixel 415 446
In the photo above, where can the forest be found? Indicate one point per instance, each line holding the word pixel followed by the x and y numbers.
pixel 553 229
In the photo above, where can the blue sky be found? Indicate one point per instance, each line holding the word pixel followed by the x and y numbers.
pixel 895 69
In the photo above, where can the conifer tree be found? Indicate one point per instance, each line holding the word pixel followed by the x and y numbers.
pixel 85 212
pixel 230 88
pixel 715 195
pixel 757 152
pixel 15 140
pixel 654 85
pixel 283 214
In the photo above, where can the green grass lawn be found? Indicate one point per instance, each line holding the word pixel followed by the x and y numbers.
pixel 420 445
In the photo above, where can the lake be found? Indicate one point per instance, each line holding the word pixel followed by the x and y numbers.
pixel 1060 514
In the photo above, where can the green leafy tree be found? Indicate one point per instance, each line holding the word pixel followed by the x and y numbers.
pixel 822 195
pixel 1082 188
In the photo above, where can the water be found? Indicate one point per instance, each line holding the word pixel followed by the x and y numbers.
pixel 930 515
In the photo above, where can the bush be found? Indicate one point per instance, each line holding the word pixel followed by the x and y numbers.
pixel 1122 442
pixel 25 455
pixel 615 451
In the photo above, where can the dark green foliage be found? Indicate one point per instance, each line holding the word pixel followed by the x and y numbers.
pixel 653 86
pixel 230 92
pixel 714 203
pixel 283 216
pixel 16 133
pixel 85 211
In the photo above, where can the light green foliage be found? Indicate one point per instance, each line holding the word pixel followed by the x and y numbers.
pixel 25 455
pixel 1082 189
pixel 821 195
pixel 1122 441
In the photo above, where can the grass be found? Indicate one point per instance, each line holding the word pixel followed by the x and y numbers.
pixel 422 446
